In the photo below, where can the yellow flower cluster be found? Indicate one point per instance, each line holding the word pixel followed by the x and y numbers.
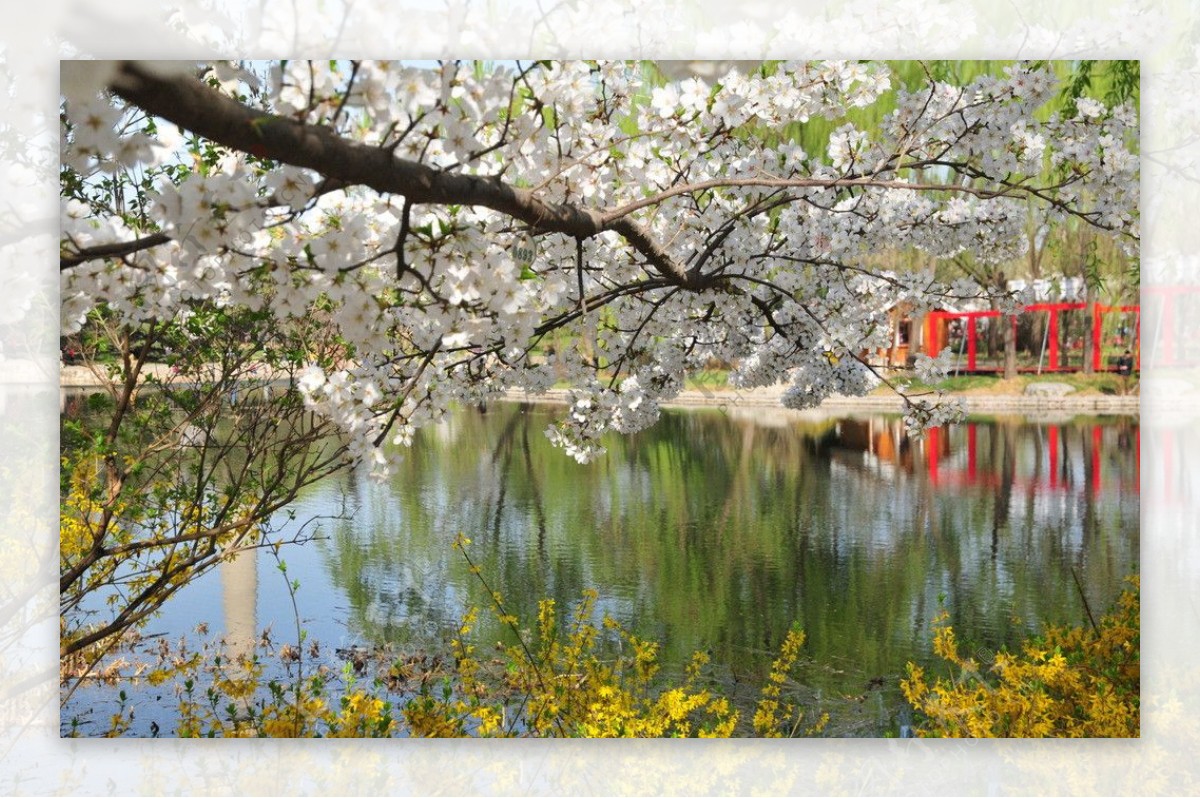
pixel 568 677
pixel 1074 682
pixel 361 715
pixel 229 708
pixel 562 685
pixel 84 515
pixel 775 719
pixel 114 543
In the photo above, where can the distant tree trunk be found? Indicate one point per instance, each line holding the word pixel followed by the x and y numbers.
pixel 1010 346
pixel 1064 340
pixel 994 323
pixel 993 331
pixel 1088 314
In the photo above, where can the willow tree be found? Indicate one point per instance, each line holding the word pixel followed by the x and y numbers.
pixel 442 224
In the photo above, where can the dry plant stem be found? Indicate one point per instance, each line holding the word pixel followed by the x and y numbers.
pixel 507 620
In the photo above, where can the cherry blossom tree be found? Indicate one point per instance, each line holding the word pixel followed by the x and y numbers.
pixel 473 229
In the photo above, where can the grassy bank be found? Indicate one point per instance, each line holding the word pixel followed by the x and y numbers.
pixel 994 385
pixel 1106 384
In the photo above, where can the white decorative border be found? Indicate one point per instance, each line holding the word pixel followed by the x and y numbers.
pixel 34 761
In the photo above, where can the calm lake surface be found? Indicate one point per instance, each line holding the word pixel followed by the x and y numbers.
pixel 714 530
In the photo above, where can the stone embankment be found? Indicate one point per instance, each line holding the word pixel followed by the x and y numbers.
pixel 1031 403
pixel 1095 404
pixel 85 377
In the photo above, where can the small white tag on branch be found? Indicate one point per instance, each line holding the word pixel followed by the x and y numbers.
pixel 524 251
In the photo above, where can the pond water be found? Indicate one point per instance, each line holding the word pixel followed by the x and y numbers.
pixel 714 530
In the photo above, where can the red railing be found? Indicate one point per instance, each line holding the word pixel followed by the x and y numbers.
pixel 936 336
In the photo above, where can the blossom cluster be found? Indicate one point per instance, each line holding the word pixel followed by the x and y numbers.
pixel 774 244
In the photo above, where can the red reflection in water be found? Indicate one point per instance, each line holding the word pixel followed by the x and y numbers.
pixel 1060 458
pixel 944 467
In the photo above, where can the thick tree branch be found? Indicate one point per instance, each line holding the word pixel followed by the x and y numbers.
pixel 191 105
pixel 120 249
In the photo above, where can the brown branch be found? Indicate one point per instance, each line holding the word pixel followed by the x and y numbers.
pixel 195 107
pixel 119 249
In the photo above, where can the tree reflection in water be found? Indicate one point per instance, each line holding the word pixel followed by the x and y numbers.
pixel 716 530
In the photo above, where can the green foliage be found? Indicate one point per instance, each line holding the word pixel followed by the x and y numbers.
pixel 1114 82
pixel 179 461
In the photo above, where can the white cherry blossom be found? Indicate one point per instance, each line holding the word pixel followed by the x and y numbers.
pixel 669 233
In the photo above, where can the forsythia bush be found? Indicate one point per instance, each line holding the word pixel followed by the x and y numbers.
pixel 561 680
pixel 233 706
pixel 561 686
pixel 1074 682
pixel 771 718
